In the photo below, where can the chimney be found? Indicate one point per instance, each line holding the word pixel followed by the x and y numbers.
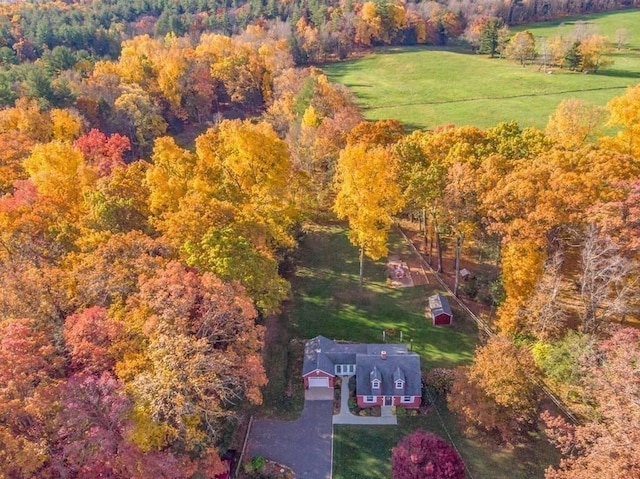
pixel 383 354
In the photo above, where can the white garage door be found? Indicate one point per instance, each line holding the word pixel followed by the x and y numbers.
pixel 318 382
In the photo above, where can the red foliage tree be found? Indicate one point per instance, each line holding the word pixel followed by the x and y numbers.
pixel 89 335
pixel 29 366
pixel 92 435
pixel 105 153
pixel 423 455
pixel 24 194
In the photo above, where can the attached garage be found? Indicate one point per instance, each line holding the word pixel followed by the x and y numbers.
pixel 319 382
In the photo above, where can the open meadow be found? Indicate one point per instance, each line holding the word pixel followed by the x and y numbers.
pixel 424 87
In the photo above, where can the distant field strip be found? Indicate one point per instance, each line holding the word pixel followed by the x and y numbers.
pixel 507 97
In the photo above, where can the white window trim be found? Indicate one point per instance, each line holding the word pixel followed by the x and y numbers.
pixel 369 399
pixel 345 369
pixel 406 399
pixel 399 384
pixel 375 384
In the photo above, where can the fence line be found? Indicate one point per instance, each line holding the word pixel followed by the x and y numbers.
pixel 433 400
pixel 486 328
pixel 244 446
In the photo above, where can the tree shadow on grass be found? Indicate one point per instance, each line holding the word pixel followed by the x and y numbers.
pixel 618 73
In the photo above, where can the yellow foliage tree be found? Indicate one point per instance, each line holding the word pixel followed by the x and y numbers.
pixel 65 125
pixel 625 113
pixel 522 266
pixel 574 123
pixel 593 50
pixel 26 118
pixel 59 172
pixel 368 196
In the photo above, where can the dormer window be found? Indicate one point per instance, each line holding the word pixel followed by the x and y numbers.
pixel 375 384
pixel 399 384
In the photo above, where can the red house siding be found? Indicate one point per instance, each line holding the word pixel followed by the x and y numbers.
pixel 442 319
pixel 318 374
pixel 362 404
pixel 415 403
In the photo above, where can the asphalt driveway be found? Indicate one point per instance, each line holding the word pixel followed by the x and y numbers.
pixel 304 444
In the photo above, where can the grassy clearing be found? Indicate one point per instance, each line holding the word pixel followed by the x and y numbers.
pixel 425 87
pixel 329 301
pixel 361 451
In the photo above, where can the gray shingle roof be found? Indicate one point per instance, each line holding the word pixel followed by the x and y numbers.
pixel 408 363
pixel 439 304
pixel 314 357
pixel 322 353
pixel 398 374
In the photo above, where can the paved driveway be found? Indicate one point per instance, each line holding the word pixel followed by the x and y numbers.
pixel 304 444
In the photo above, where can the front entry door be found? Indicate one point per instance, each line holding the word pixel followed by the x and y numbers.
pixel 388 400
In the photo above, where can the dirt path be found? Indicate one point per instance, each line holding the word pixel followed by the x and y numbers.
pixel 448 264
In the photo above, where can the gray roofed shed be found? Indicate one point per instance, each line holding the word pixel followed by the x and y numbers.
pixel 440 309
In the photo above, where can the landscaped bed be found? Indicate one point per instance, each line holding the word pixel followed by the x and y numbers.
pixel 261 468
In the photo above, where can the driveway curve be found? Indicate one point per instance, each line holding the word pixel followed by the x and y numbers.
pixel 304 444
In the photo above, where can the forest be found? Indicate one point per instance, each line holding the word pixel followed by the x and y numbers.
pixel 158 163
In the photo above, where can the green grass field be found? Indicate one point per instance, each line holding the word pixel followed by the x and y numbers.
pixel 328 301
pixel 425 87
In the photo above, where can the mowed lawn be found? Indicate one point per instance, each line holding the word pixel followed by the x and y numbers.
pixel 361 451
pixel 425 87
pixel 328 301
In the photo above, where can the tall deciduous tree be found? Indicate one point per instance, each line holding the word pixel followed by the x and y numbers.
pixel 102 151
pixel 461 204
pixel 625 113
pixel 545 315
pixel 497 394
pixel 30 367
pixel 59 172
pixel 89 336
pixel 203 352
pixel 574 123
pixel 521 48
pixel 235 191
pixel 368 196
pixel 607 281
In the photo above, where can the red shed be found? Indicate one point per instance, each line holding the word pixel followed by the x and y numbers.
pixel 440 310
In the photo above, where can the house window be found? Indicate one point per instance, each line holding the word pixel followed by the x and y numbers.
pixel 352 368
pixel 338 368
pixel 399 384
pixel 406 399
pixel 369 399
pixel 375 384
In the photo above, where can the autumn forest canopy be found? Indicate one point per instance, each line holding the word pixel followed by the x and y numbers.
pixel 159 161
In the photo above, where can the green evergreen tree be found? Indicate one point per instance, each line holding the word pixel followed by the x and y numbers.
pixel 490 39
pixel 573 57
